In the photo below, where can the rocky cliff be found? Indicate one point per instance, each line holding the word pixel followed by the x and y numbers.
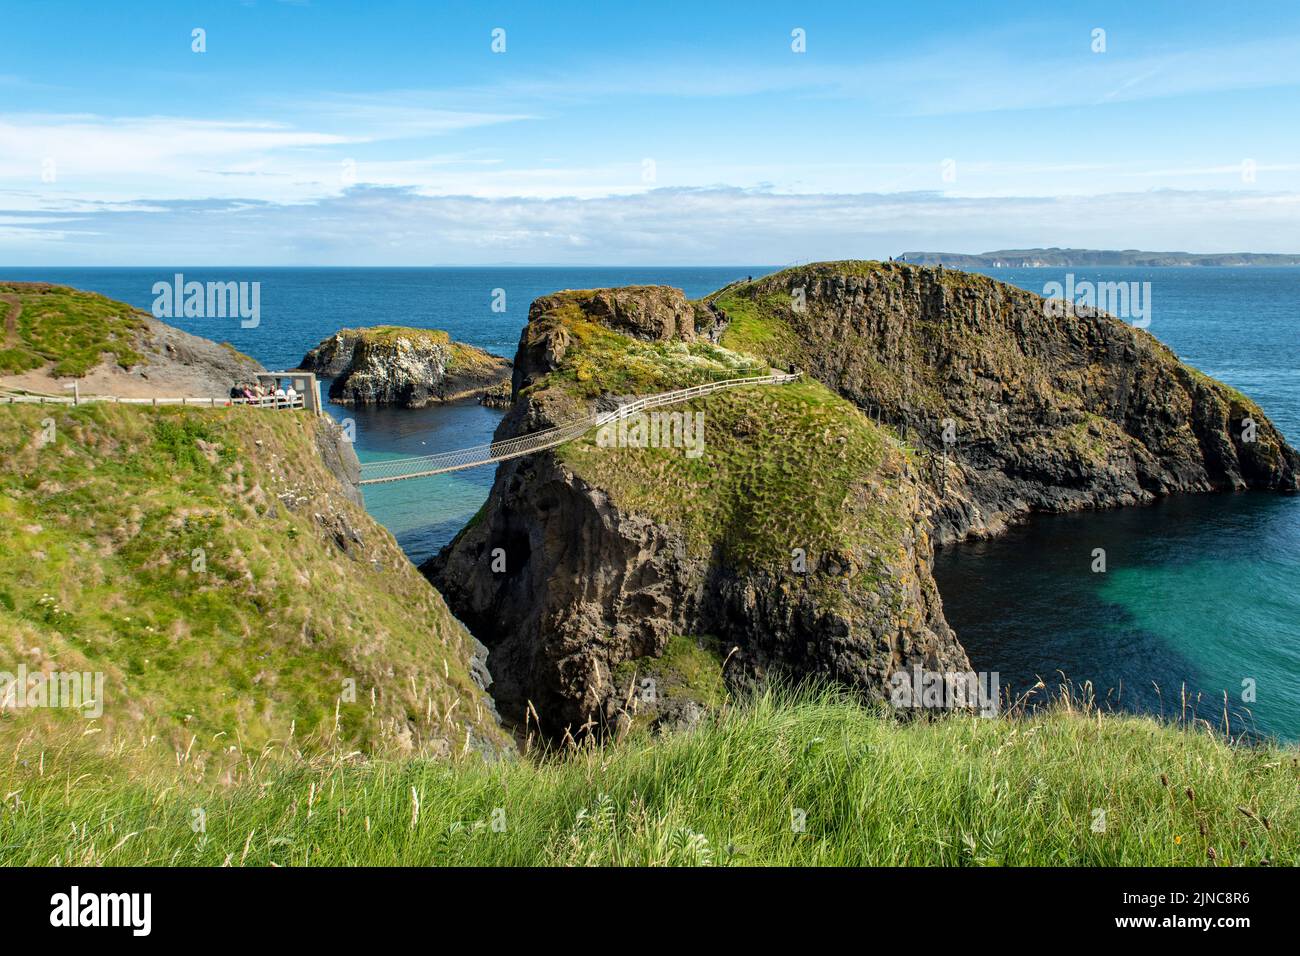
pixel 1040 411
pixel 793 543
pixel 411 368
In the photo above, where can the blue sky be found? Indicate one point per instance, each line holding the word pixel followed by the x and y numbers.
pixel 392 134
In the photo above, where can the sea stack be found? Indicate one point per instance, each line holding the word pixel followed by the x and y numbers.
pixel 409 368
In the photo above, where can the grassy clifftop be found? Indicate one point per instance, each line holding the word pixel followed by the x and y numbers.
pixel 390 334
pixel 781 466
pixel 72 329
pixel 593 359
pixel 213 568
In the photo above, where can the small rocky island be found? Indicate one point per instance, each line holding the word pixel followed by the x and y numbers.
pixel 409 368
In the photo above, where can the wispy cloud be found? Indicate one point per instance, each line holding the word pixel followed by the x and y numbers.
pixel 375 226
pixel 170 157
pixel 401 114
pixel 994 71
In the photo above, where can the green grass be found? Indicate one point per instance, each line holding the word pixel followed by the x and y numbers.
pixel 74 330
pixel 756 325
pixel 814 781
pixel 208 564
pixel 388 334
pixel 690 668
pixel 782 466
pixel 601 361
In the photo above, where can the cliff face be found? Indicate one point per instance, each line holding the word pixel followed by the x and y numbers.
pixel 796 536
pixel 1042 412
pixel 406 367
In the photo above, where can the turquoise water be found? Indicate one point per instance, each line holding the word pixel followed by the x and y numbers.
pixel 1200 593
pixel 1199 597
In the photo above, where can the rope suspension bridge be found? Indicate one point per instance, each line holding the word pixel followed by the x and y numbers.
pixel 402 469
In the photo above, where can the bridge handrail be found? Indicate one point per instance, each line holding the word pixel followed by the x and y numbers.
pixel 190 401
pixel 401 468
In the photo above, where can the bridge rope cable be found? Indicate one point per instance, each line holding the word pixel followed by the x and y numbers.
pixel 400 469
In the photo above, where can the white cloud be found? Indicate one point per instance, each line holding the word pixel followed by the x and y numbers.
pixel 403 114
pixel 81 156
pixel 377 226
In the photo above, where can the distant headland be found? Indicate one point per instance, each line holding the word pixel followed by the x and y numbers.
pixel 1046 258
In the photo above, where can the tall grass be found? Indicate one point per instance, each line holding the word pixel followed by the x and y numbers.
pixel 209 565
pixel 817 780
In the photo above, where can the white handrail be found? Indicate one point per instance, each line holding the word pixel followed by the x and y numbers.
pixel 265 401
pixel 401 469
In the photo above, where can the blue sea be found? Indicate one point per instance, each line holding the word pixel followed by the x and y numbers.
pixel 1201 596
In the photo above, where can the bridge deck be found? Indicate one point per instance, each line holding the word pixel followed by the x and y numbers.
pixel 402 469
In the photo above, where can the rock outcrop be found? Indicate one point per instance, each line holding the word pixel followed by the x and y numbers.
pixel 498 396
pixel 651 312
pixel 797 540
pixel 1042 411
pixel 405 367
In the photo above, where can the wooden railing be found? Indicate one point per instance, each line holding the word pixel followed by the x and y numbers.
pixel 266 401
